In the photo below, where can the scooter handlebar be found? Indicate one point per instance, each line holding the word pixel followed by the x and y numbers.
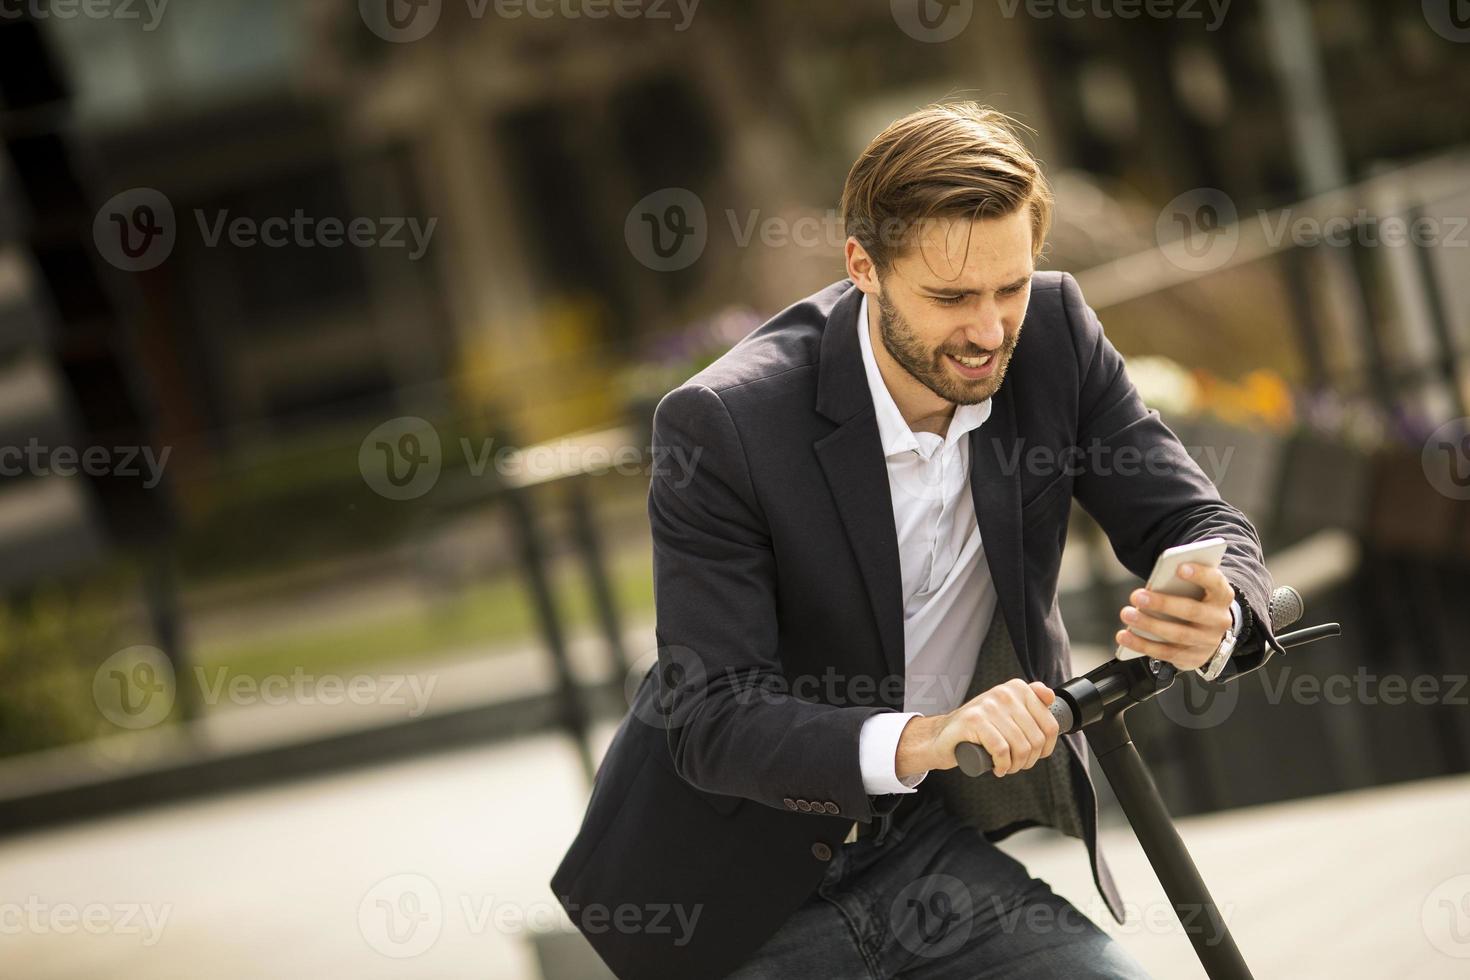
pixel 975 761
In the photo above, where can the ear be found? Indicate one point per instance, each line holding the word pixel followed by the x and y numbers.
pixel 860 267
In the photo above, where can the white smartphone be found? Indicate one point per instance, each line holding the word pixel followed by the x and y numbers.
pixel 1205 553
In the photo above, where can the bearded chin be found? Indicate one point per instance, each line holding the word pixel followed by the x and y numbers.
pixel 927 367
pixel 973 393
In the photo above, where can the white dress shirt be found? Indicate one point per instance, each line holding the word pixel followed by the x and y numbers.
pixel 948 596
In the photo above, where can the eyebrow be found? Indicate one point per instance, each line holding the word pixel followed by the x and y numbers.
pixel 942 291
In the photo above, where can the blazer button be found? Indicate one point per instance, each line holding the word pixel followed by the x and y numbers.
pixel 831 807
pixel 789 803
pixel 821 851
pixel 803 806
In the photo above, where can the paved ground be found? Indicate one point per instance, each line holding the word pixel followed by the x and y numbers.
pixel 299 880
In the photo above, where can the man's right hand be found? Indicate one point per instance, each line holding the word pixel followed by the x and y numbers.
pixel 1010 721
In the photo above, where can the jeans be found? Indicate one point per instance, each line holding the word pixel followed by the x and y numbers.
pixel 936 901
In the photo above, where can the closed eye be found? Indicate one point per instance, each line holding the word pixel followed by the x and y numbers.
pixel 955 299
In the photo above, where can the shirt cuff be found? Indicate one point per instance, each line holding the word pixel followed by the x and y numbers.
pixel 878 754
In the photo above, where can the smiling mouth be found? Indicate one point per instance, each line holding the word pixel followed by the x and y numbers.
pixel 972 368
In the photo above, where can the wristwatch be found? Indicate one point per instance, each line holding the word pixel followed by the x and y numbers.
pixel 1239 627
pixel 1212 669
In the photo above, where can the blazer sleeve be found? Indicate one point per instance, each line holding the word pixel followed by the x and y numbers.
pixel 733 727
pixel 1162 498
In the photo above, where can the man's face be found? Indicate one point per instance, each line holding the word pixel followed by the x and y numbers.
pixel 950 308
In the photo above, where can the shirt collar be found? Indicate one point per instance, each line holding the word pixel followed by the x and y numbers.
pixel 893 431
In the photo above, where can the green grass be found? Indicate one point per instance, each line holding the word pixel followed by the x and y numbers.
pixel 496 612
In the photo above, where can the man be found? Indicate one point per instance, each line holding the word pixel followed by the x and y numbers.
pixel 861 574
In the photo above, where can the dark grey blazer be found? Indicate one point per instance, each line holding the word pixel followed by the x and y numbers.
pixel 779 614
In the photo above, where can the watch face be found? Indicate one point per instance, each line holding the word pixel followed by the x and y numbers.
pixel 1212 669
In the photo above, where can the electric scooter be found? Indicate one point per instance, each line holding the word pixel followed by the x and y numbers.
pixel 1096 704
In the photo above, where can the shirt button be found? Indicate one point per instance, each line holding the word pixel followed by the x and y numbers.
pixel 821 851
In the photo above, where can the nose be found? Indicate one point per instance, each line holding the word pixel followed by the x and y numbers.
pixel 987 330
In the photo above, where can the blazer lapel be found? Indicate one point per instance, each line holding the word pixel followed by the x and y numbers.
pixel 997 496
pixel 852 460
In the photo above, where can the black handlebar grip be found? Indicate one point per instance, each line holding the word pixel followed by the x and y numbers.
pixel 975 761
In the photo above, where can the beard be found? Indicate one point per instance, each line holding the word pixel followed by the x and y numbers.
pixel 928 367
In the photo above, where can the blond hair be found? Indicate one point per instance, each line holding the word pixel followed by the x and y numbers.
pixel 956 159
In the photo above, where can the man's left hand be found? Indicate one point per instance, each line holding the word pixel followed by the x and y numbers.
pixel 1188 644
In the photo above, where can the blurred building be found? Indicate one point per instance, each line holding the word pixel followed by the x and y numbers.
pixel 529 139
pixel 507 155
